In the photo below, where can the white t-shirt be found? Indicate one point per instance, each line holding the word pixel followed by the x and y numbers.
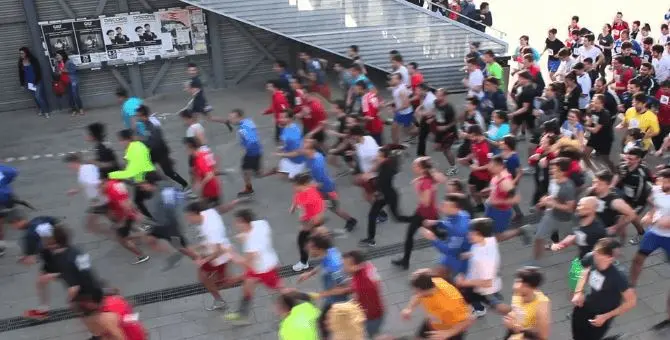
pixel 429 102
pixel 404 75
pixel 259 240
pixel 593 52
pixel 89 180
pixel 398 93
pixel 194 130
pixel 585 82
pixel 476 78
pixel 564 68
pixel 213 234
pixel 662 68
pixel 484 264
pixel 367 153
pixel 662 205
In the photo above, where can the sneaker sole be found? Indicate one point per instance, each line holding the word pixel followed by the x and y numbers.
pixel 142 260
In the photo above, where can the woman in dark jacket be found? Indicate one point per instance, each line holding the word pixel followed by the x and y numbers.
pixel 30 76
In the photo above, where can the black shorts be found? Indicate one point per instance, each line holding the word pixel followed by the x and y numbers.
pixel 446 139
pixel 332 198
pixel 603 149
pixel 252 163
pixel 50 267
pixel 170 234
pixel 526 117
pixel 479 184
pixel 426 328
pixel 100 209
pixel 124 230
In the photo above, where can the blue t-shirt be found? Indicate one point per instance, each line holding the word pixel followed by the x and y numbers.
pixel 249 138
pixel 332 274
pixel 512 163
pixel 314 66
pixel 128 110
pixel 291 136
pixel 7 176
pixel 319 170
pixel 571 131
pixel 456 243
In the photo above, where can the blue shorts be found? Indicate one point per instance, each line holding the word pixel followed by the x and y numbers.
pixel 552 65
pixel 652 241
pixel 454 264
pixel 405 120
pixel 501 218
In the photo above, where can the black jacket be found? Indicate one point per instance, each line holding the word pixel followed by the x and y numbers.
pixel 36 69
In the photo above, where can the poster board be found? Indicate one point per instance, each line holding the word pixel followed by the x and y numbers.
pixel 127 38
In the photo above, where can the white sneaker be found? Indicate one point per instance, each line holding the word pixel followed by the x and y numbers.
pixel 298 267
pixel 478 313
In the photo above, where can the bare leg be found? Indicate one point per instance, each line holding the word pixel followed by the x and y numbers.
pixel 636 268
pixel 209 284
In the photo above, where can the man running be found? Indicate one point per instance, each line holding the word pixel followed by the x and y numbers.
pixel 404 113
pixel 88 178
pixel 206 184
pixel 633 183
pixel 129 107
pixel 259 260
pixel 7 176
pixel 612 210
pixel 292 160
pixel 278 104
pixel 253 149
pixel 105 159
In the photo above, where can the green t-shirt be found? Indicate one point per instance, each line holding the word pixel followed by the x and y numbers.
pixel 495 70
pixel 138 163
pixel 300 323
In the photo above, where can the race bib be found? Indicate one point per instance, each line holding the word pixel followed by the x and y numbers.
pixel 596 280
pixel 550 52
pixel 83 262
pixel 580 238
pixel 131 317
pixel 664 100
pixel 601 206
pixel 634 124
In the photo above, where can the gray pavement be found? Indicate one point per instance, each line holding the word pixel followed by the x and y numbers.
pixel 35 145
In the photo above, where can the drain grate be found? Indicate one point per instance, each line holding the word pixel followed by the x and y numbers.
pixel 167 294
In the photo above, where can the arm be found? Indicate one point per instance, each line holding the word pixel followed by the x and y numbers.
pixel 624 209
pixel 566 242
pixel 131 170
pixel 110 325
pixel 543 321
pixel 338 290
pixel 629 302
pixel 524 107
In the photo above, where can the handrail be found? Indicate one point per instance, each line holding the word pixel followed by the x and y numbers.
pixel 501 34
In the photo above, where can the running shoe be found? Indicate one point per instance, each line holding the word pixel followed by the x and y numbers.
pixel 2 251
pixel 400 263
pixel 366 242
pixel 351 224
pixel 36 314
pixel 141 259
pixel 216 305
pixel 382 218
pixel 478 313
pixel 634 240
pixel 453 171
pixel 298 267
pixel 661 325
pixel 245 194
pixel 237 319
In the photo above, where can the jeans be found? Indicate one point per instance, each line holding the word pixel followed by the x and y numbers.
pixel 75 98
pixel 40 98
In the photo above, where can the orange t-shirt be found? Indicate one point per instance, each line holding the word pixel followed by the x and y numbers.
pixel 446 307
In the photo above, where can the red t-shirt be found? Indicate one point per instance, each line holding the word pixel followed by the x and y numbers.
pixel 572 28
pixel 117 196
pixel 299 100
pixel 663 96
pixel 310 202
pixel 204 163
pixel 316 116
pixel 481 151
pixel 370 107
pixel 278 104
pixel 131 327
pixel 534 70
pixel 424 184
pixel 365 284
pixel 617 28
pixel 415 81
pixel 621 78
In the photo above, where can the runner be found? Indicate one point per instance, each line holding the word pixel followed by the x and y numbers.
pixel 213 260
pixel 502 197
pixel 206 183
pixel 309 200
pixel 299 316
pixel 612 210
pixel 292 160
pixel 138 163
pixel 88 178
pixel 370 104
pixel 278 105
pixel 366 151
pixel 449 316
pixel 365 285
pixel 425 114
pixel 193 127
pixel 530 317
pixel 477 159
pixel 455 223
pixel 105 159
pixel 633 183
pixel 445 128
pixel 253 149
pixel 7 176
pixel 129 107
pixel 403 112
pixel 111 318
pixel 259 260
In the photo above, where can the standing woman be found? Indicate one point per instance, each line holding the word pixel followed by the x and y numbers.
pixel 30 76
pixel 425 185
pixel 67 71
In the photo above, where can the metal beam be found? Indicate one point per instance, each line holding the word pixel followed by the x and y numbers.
pixel 30 9
pixel 165 67
pixel 216 49
pixel 250 37
pixel 145 4
pixel 123 6
pixel 101 7
pixel 67 9
pixel 250 66
pixel 120 79
pixel 136 80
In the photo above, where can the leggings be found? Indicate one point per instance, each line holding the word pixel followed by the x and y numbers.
pixel 415 223
pixel 167 165
pixel 140 197
pixel 389 198
pixel 303 236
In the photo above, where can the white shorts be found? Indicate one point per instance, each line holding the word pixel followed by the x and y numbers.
pixel 286 166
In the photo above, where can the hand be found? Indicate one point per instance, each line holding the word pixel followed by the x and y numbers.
pixel 279 154
pixel 658 153
pixel 557 247
pixel 427 234
pixel 200 262
pixel 459 280
pixel 510 323
pixel 406 314
pixel 72 192
pixel 599 320
pixel 578 299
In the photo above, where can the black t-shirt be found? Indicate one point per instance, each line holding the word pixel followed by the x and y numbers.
pixel 526 95
pixel 385 173
pixel 606 213
pixel 635 184
pixel 554 47
pixel 604 41
pixel 604 137
pixel 103 154
pixel 587 236
pixel 571 100
pixel 445 115
pixel 199 104
pixel 604 287
pixel 76 271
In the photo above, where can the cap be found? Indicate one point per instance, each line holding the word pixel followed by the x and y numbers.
pixel 44 230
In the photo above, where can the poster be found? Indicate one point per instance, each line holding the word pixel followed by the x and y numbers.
pixel 117 31
pixel 91 43
pixel 198 30
pixel 176 31
pixel 148 43
pixel 59 36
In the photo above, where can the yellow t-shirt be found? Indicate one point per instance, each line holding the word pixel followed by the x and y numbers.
pixel 526 313
pixel 446 307
pixel 646 122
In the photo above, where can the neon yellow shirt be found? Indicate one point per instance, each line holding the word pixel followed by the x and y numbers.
pixel 646 122
pixel 496 71
pixel 138 163
pixel 300 323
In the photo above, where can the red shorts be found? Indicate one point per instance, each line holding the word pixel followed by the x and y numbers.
pixel 219 271
pixel 269 279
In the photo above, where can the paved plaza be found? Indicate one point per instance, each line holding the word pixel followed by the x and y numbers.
pixel 35 146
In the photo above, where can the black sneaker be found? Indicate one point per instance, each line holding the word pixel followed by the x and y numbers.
pixel 351 224
pixel 366 242
pixel 245 194
pixel 400 263
pixel 661 325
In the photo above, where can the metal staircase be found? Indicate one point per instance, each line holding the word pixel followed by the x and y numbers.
pixel 436 43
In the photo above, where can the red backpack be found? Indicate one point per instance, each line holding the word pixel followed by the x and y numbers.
pixel 58 87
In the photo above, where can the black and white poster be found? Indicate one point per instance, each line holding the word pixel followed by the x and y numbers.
pixel 91 43
pixel 148 44
pixel 117 31
pixel 59 36
pixel 198 30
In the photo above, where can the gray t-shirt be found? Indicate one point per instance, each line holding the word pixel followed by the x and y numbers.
pixel 562 193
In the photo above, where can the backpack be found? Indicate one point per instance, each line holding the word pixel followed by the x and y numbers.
pixel 58 87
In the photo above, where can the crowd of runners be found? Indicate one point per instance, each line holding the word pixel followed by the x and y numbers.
pixel 586 196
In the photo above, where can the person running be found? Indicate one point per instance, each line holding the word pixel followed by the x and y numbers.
pixel 478 159
pixel 166 205
pixel 346 321
pixel 253 149
pixel 404 114
pixel 105 158
pixel 530 317
pixel 365 285
pixel 370 104
pixel 213 260
pixel 278 105
pixel 590 230
pixel 88 178
pixel 612 210
pixel 158 147
pixel 366 151
pixel 502 196
pixel 309 201
pixel 204 170
pixel 259 260
pixel 292 160
pixel 138 163
pixel 123 215
pixel 129 107
pixel 445 128
pixel 425 184
pixel 456 224
pixel 299 316
pixel 111 318
pixel 449 316
pixel 609 294
pixel 633 182
pixel 316 164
